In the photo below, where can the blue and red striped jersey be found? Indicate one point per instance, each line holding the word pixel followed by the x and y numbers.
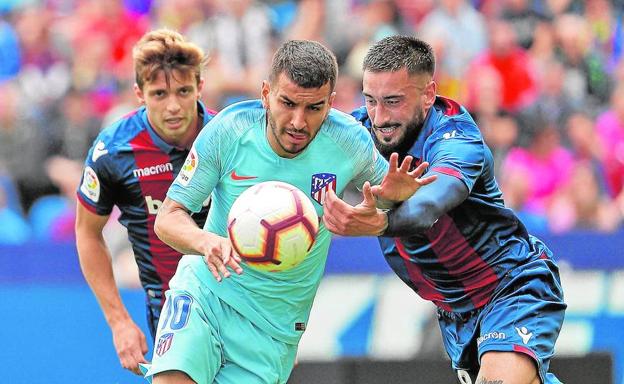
pixel 131 167
pixel 459 262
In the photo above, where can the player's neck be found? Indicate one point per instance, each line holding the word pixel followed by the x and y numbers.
pixel 190 136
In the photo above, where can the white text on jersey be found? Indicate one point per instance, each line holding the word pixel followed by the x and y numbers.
pixel 153 170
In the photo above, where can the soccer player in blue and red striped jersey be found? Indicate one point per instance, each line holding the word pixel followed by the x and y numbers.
pixel 131 165
pixel 497 289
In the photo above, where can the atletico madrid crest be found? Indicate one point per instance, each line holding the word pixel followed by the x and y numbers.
pixel 321 184
pixel 164 343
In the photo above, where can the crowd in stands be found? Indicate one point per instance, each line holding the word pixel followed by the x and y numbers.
pixel 544 79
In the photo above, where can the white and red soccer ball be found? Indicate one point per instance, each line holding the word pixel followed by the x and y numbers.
pixel 272 226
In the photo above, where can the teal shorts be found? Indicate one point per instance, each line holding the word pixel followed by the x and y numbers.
pixel 204 337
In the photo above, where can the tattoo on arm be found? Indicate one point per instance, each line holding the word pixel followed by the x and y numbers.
pixel 485 380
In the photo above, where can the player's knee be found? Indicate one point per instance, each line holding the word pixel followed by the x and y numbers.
pixel 172 377
pixel 508 368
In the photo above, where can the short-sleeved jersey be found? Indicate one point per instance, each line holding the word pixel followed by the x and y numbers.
pixel 231 155
pixel 131 167
pixel 459 262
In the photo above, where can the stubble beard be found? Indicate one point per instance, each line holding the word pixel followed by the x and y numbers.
pixel 405 142
pixel 276 135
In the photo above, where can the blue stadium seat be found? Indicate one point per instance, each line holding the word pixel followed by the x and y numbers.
pixel 44 211
pixel 282 14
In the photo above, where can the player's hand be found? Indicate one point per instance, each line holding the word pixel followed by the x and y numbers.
pixel 400 183
pixel 130 345
pixel 219 255
pixel 362 220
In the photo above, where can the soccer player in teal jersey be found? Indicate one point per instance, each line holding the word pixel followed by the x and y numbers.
pixel 245 329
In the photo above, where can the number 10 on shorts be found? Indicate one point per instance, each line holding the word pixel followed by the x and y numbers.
pixel 177 310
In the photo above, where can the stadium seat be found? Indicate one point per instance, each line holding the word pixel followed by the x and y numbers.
pixel 44 212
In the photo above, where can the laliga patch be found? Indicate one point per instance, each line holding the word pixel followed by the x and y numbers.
pixel 189 168
pixel 90 186
pixel 164 343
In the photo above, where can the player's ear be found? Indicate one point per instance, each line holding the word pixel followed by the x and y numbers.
pixel 200 86
pixel 332 96
pixel 430 94
pixel 138 92
pixel 264 94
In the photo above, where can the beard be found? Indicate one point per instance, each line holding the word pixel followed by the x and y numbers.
pixel 404 142
pixel 277 134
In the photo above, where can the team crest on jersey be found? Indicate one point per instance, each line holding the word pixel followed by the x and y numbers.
pixel 90 186
pixel 164 343
pixel 189 167
pixel 321 184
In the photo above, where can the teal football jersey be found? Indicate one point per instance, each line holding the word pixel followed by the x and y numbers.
pixel 231 154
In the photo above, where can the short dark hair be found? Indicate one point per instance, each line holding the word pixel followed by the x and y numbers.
pixel 395 52
pixel 308 63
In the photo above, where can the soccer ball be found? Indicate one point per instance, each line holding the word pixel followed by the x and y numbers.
pixel 272 226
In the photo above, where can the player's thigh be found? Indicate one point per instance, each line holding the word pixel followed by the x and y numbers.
pixel 524 319
pixel 252 355
pixel 172 377
pixel 187 338
pixel 496 367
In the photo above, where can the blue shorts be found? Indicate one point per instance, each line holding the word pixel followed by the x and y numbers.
pixel 524 316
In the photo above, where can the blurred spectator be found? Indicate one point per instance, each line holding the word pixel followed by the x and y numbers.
pixel 586 81
pixel 14 229
pixel 241 49
pixel 441 27
pixel 582 205
pixel 500 134
pixel 498 127
pixel 543 48
pixel 524 16
pixel 10 54
pixel 544 166
pixel 181 15
pixel 66 175
pixel 519 86
pixel 76 122
pixel 415 12
pixel 309 22
pixel 45 73
pixel 605 24
pixel 372 22
pixel 348 93
pixel 584 142
pixel 26 141
pixel 610 129
pixel 101 35
pixel 552 105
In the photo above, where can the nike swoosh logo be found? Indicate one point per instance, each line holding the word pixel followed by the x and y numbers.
pixel 234 176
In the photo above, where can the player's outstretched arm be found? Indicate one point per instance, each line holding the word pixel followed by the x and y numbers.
pixel 415 215
pixel 95 262
pixel 175 227
pixel 364 219
pixel 422 210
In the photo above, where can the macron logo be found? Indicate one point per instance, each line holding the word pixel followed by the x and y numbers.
pixel 524 334
pixel 98 151
pixel 153 170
